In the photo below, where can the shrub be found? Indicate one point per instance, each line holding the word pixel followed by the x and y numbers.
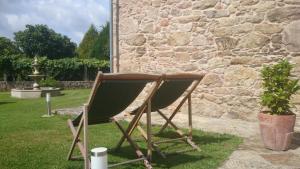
pixel 18 67
pixel 278 87
pixel 49 82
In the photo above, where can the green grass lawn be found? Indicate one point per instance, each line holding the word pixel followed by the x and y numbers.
pixel 28 141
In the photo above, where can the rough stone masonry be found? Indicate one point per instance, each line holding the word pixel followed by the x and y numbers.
pixel 229 39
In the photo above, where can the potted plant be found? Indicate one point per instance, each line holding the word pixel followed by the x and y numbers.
pixel 277 123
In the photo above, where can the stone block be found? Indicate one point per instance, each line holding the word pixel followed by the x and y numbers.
pixel 291 36
pixel 136 40
pixel 249 2
pixel 204 4
pixel 171 2
pixel 296 62
pixel 284 14
pixel 238 75
pixel 199 40
pixel 277 38
pixel 164 22
pixel 129 25
pixel 223 31
pixel 264 6
pixel 241 60
pixel 147 28
pixel 165 54
pixel 217 62
pixel 242 28
pixel 253 40
pixel 217 13
pixel 292 2
pixel 187 19
pixel 212 80
pixel 225 43
pixel 184 5
pixel 182 56
pixel 156 3
pixel 208 108
pixel 189 67
pixel 185 27
pixel 179 39
pixel 268 28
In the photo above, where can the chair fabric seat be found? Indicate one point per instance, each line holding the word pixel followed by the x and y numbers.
pixel 109 93
pixel 168 93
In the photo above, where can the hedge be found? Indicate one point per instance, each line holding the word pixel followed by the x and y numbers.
pixel 18 67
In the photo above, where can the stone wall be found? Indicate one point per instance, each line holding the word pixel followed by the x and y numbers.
pixel 6 86
pixel 229 39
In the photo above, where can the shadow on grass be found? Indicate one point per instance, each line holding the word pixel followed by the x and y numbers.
pixel 202 139
pixel 172 160
pixel 178 160
pixel 127 152
pixel 1 103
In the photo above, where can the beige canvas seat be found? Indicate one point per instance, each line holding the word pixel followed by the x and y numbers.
pixel 174 87
pixel 112 94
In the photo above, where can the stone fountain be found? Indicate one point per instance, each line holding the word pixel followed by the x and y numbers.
pixel 36 74
pixel 36 91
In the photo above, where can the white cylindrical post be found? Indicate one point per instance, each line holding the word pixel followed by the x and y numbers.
pixel 48 100
pixel 99 158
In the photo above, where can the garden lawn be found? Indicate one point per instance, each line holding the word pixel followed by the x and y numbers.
pixel 28 141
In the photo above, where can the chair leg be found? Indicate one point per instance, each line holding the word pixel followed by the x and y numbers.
pixel 76 133
pixel 154 146
pixel 76 137
pixel 149 132
pixel 132 125
pixel 85 138
pixel 188 140
pixel 171 123
pixel 172 115
pixel 190 117
pixel 144 135
pixel 134 145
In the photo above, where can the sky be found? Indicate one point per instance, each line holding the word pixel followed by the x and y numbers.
pixel 68 17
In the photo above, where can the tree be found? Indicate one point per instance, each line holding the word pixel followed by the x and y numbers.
pixel 43 41
pixel 101 47
pixel 87 44
pixel 7 47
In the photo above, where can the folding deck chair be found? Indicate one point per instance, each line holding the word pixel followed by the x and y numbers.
pixel 111 94
pixel 173 87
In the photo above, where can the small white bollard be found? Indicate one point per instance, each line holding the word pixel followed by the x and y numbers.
pixel 48 100
pixel 99 158
pixel 48 104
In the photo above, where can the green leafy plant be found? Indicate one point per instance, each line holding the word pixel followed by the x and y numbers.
pixel 18 67
pixel 278 87
pixel 49 82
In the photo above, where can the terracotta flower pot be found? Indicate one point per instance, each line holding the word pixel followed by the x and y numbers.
pixel 276 130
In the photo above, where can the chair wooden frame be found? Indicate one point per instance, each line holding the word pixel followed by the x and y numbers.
pixel 83 147
pixel 188 139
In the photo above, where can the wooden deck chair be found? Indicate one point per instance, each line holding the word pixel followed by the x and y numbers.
pixel 110 95
pixel 173 87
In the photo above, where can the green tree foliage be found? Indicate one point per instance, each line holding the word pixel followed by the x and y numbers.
pixel 87 44
pixel 43 41
pixel 101 47
pixel 278 87
pixel 7 47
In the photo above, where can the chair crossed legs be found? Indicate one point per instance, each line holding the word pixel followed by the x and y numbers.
pixel 170 90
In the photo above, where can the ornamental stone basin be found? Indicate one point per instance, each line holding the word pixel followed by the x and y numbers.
pixel 30 93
